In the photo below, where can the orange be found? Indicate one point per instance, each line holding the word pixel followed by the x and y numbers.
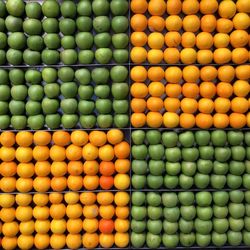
pixel 208 6
pixel 8 184
pixel 73 241
pixel 241 88
pixel 8 169
pixel 191 23
pixel 138 38
pixel 41 241
pixel 42 138
pixel 154 103
pixel 74 211
pixel 23 199
pixel 208 73
pixel 221 120
pixel 106 182
pixel 90 241
pixel 191 73
pixel 121 181
pixel 204 56
pixel 73 152
pixel 243 6
pixel 224 25
pixel 226 73
pixel 106 240
pixel 190 7
pixel 224 89
pixel 107 168
pixel 188 55
pixel 139 90
pixel 79 138
pixel 74 226
pixel 138 120
pixel 155 40
pixel 204 40
pixel 172 39
pixel 190 90
pixel 121 198
pixel 25 170
pixel 25 241
pixel 97 138
pixel 138 74
pixel 221 40
pixel 7 139
pixel 88 198
pixel 171 55
pixel 24 213
pixel 207 89
pixel 155 74
pixel 206 105
pixel 248 119
pixel 122 150
pixel 241 21
pixel 10 229
pixel 42 168
pixel 106 153
pixel 155 56
pixel 139 6
pixel 173 23
pixel 41 184
pixel 58 168
pixel 56 198
pixel 122 166
pixel 9 242
pixel 58 183
pixel 107 212
pixel 138 22
pixel 24 138
pixel 204 121
pixel 208 23
pixel 156 7
pixel 27 227
pixel 57 241
pixel 156 23
pixel 57 153
pixel 170 120
pixel 121 225
pixel 187 120
pixel 240 55
pixel 154 119
pixel 41 153
pixel 61 138
pixel 239 105
pixel 189 105
pixel 138 55
pixel 90 152
pixel 90 182
pixel 227 9
pixel 173 74
pixel 242 72
pixel 114 136
pixel 75 167
pixel 121 239
pixel 188 39
pixel 7 214
pixel 7 200
pixel 172 104
pixel 239 38
pixel 173 90
pixel 174 7
pixel 105 198
pixel 222 105
pixel 40 199
pixel 138 105
pixel 237 120
pixel 90 211
pixel 122 212
pixel 24 154
pixel 71 197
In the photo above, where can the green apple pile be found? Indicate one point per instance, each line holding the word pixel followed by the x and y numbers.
pixel 201 159
pixel 65 98
pixel 50 32
pixel 187 218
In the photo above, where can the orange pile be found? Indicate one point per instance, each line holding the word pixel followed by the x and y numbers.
pixel 190 31
pixel 44 161
pixel 190 96
pixel 56 220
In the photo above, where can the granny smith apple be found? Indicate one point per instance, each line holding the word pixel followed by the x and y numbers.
pixel 14 57
pixel 169 199
pixel 186 198
pixel 204 213
pixel 202 226
pixel 188 212
pixel 84 23
pixel 218 181
pixel 247 138
pixel 137 239
pixel 204 166
pixel 185 226
pixel 2 57
pixel 68 42
pixel 33 10
pixel 69 120
pixel 69 105
pixel 86 107
pixel 120 106
pixel 83 76
pixel 19 92
pixel 120 55
pixel 247 223
pixel 69 89
pixel 50 57
pixel 220 225
pixel 31 57
pixel 49 75
pixel 3 10
pixel 236 225
pixel 154 182
pixel 85 92
pixel 84 40
pixel 187 240
pixel 138 181
pixel 170 227
pixel 119 24
pixel 206 152
pixel 103 106
pixel 17 40
pixel 234 181
pixel 120 90
pixel 234 238
pixel 86 56
pixel 52 41
pixel 203 240
pixel 171 181
pixel 35 43
pixel 3 39
pixel 201 180
pixel 186 182
pixel 156 167
pixel 238 153
pixel 4 121
pixel 170 241
pixel 173 168
pixel 171 214
pixel 33 108
pixel 103 55
pixel 220 212
pixel 138 136
pixel 139 167
pixel 154 213
pixel 153 241
pixel 119 74
pixel 138 198
pixel 33 76
pixel 102 91
pixel 154 226
pixel 5 92
pixel 219 138
pixel 121 120
pixel 32 26
pixel 36 122
pixel 188 168
pixel 101 24
pixel 222 154
pixel 138 213
pixel 173 154
pixel 100 75
pixel 50 106
pixel 153 199
pixel 4 79
pixel 203 198
pixel 153 137
pixel 50 8
pixel 67 26
pixel 18 121
pixel 219 240
pixel 169 139
pixel 15 7
pixel 120 41
pixel 4 108
pixel 139 152
pixel 52 90
pixel 246 237
pixel 68 9
pixel 156 152
pixel 100 7
pixel 235 138
pixel 88 121
pixel 36 92
pixel 104 120
pixel 236 196
pixel 13 24
pixel 50 25
pixel 84 8
pixel 220 168
pixel 236 210
pixel 236 167
pixel 246 181
pixel 119 7
pixel 17 107
pixel 186 139
pixel 202 138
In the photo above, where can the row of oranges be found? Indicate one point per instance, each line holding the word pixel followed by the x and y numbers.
pixel 73 219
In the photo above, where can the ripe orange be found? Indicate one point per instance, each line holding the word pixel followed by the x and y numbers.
pixel 7 214
pixel 107 168
pixel 139 6
pixel 74 226
pixel 122 166
pixel 191 73
pixel 174 7
pixel 42 168
pixel 9 242
pixel 88 198
pixel 121 225
pixel 208 23
pixel 138 38
pixel 156 7
pixel 90 182
pixel 79 138
pixel 241 88
pixel 25 241
pixel 138 22
pixel 138 74
pixel 224 25
pixel 10 229
pixel 57 153
pixel 208 6
pixel 191 23
pixel 173 23
pixel 90 152
pixel 7 200
pixel 221 120
pixel 172 104
pixel 75 167
pixel 122 212
pixel 58 169
pixel 139 90
pixel 107 212
pixel 188 56
pixel 222 105
pixel 204 56
pixel 106 153
pixel 207 89
pixel 105 198
pixel 172 39
pixel 138 120
pixel 122 150
pixel 239 105
pixel 242 6
pixel 57 241
pixel 97 138
pixel 240 55
pixel 42 138
pixel 71 197
pixel 156 23
pixel 73 241
pixel 227 9
pixel 41 184
pixel 23 199
pixel 106 240
pixel 154 104
pixel 154 119
pixel 56 198
pixel 171 55
pixel 61 138
pixel 204 121
pixel 8 184
pixel 155 56
pixel 24 213
pixel 206 105
pixel 242 72
pixel 170 120
pixel 237 120
pixel 241 21
pixel 74 211
pixel 8 169
pixel 41 153
pixel 121 198
pixel 221 40
pixel 73 152
pixel 24 154
pixel 7 139
pixel 41 241
pixel 58 183
pixel 138 105
pixel 40 199
pixel 90 211
pixel 224 89
pixel 27 227
pixel 121 239
pixel 121 181
pixel 187 120
pixel 138 55
pixel 190 90
pixel 189 105
pixel 106 182
pixel 90 241
pixel 190 7
pixel 226 73
pixel 204 40
pixel 155 74
pixel 208 73
pixel 173 90
pixel 114 136
pixel 173 74
pixel 24 138
pixel 25 170
pixel 239 38
pixel 155 40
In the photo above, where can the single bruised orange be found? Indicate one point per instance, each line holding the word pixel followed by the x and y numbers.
pixel 42 138
pixel 207 89
pixel 138 120
pixel 138 74
pixel 187 120
pixel 190 90
pixel 7 139
pixel 156 89
pixel 138 105
pixel 156 23
pixel 173 90
pixel 154 119
pixel 155 73
pixel 224 89
pixel 154 104
pixel 221 120
pixel 24 138
pixel 206 105
pixel 189 105
pixel 139 90
pixel 172 104
pixel 138 22
pixel 204 121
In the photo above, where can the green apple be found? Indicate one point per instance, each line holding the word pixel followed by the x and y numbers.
pixel 86 107
pixel 52 41
pixel 14 24
pixel 222 154
pixel 247 223
pixel 170 227
pixel 173 168
pixel 201 180
pixel 156 167
pixel 68 9
pixel 203 240
pixel 154 213
pixel 246 237
pixel 36 122
pixel 104 120
pixel 202 138
pixel 50 8
pixel 35 43
pixel 154 182
pixel 83 76
pixel 19 92
pixel 52 90
pixel 4 77
pixel 186 226
pixel 121 120
pixel 188 212
pixel 220 168
pixel 120 55
pixel 119 24
pixel 190 154
pixel 139 167
pixel 203 198
pixel 204 213
pixel 102 91
pixel 14 57
pixel 206 152
pixel 18 121
pixel 220 225
pixel 138 137
pixel 100 7
pixel 67 26
pixel 221 198
pixel 17 40
pixel 234 238
pixel 33 10
pixel 138 181
pixel 33 76
pixel 186 139
pixel 32 26
pixel 219 240
pixel 187 240
pixel 84 40
pixel 138 213
pixel 120 106
pixel 153 137
pixel 237 211
pixel 169 199
pixel 33 108
pixel 4 108
pixel 236 168
pixel 17 107
pixel 169 139
pixel 188 168
pixel 186 198
pixel 68 42
pixel 246 181
pixel 50 106
pixel 234 181
pixel 68 56
pixel 238 153
pixel 219 138
pixel 236 225
pixel 69 105
pixel 103 55
pixel 101 24
pixel 236 196
pixel 220 212
pixel 247 196
pixel 5 92
pixel 15 7
pixel 171 214
pixel 50 25
pixel 171 181
pixel 119 7
pixel 137 239
pixel 88 121
pixel 138 198
pixel 204 166
pixel 156 152
pixel 186 182
pixel 154 226
pixel 119 74
pixel 53 121
pixel 235 138
pixel 84 23
pixel 86 56
pixel 120 90
pixel 153 199
pixel 139 152
pixel 85 92
pixel 173 154
pixel 100 75
pixel 4 121
pixel 153 241
pixel 218 181
pixel 170 241
pixel 202 226
pixel 69 120
pixel 120 41
pixel 50 57
pixel 84 8
pixel 247 138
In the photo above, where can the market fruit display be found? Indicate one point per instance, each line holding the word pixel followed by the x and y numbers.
pixel 64 98
pixel 187 219
pixel 189 31
pixel 60 161
pixel 185 160
pixel 190 96
pixel 64 220
pixel 51 32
